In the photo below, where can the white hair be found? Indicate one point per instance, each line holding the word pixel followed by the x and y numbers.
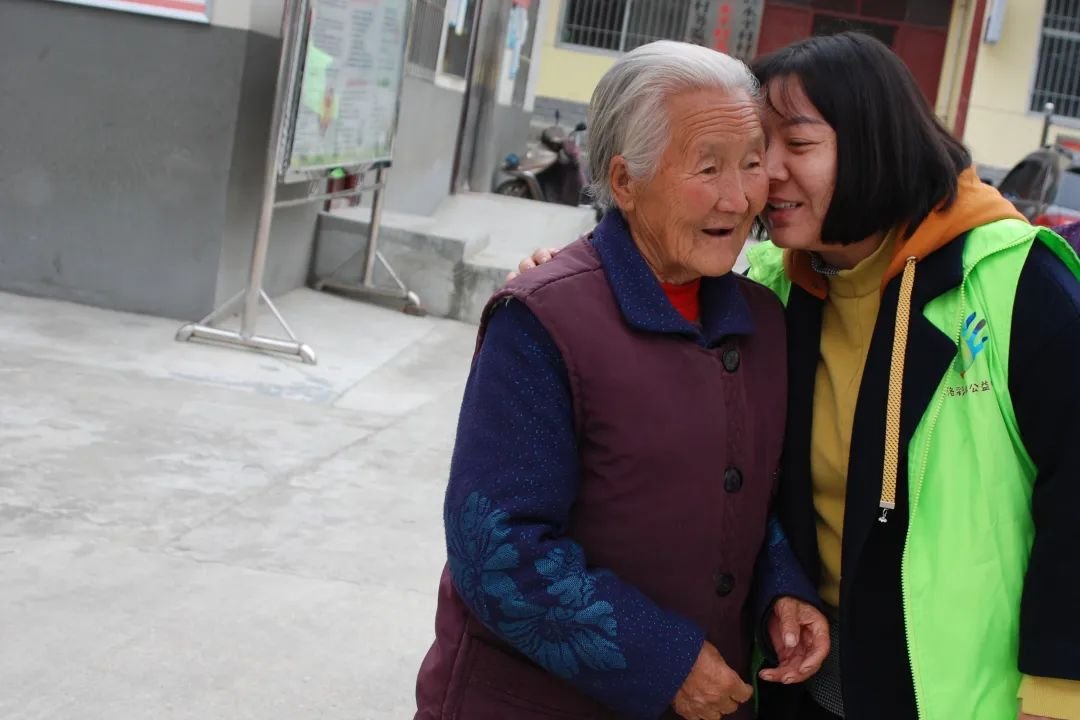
pixel 628 114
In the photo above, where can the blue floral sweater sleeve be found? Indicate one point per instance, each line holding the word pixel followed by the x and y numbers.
pixel 778 574
pixel 513 480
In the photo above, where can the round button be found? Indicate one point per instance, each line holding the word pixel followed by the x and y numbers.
pixel 733 480
pixel 725 583
pixel 731 360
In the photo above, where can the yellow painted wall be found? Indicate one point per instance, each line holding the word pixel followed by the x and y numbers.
pixel 1000 129
pixel 565 73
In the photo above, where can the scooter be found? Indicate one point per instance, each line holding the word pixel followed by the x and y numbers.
pixel 551 172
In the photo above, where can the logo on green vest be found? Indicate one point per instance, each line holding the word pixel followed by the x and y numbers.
pixel 974 342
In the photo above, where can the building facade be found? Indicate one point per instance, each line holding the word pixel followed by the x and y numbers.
pixel 133 150
pixel 917 30
pixel 133 144
pixel 582 38
pixel 1028 55
pixel 986 66
pixel 433 129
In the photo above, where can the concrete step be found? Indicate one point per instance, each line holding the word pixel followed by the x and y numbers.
pixel 456 258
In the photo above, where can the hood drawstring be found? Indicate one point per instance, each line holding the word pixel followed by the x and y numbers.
pixel 896 392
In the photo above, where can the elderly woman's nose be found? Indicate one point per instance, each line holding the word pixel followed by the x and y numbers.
pixel 733 196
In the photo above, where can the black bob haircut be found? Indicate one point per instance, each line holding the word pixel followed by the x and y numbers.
pixel 896 162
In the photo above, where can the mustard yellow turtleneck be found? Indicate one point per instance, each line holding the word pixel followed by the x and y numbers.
pixel 847 325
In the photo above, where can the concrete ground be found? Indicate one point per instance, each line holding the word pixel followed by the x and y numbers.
pixel 195 532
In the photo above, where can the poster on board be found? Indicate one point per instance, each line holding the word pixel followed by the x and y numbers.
pixel 193 10
pixel 730 26
pixel 350 82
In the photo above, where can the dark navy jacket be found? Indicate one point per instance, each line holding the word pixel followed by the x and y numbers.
pixel 1044 382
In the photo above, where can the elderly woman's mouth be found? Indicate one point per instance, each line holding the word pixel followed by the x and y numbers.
pixel 719 232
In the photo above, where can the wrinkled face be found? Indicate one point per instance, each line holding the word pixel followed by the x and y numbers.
pixel 801 164
pixel 693 216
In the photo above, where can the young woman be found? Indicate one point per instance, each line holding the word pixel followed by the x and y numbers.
pixel 931 471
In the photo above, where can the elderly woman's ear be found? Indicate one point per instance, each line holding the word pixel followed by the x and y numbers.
pixel 621 183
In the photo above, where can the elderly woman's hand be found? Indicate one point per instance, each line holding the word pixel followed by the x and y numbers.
pixel 800 635
pixel 712 689
pixel 538 258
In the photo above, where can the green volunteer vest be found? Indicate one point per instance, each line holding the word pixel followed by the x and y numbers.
pixel 970 481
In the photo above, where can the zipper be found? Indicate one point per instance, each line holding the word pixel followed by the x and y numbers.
pixel 916 490
pixel 913 506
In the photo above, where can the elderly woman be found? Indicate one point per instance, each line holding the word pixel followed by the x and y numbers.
pixel 620 436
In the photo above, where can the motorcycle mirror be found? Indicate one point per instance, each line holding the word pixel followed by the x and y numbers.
pixel 580 127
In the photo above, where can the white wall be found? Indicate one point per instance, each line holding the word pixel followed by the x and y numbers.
pixel 261 16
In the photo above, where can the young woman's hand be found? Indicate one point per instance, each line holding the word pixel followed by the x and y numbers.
pixel 537 259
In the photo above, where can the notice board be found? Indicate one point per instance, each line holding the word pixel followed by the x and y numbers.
pixel 193 10
pixel 346 110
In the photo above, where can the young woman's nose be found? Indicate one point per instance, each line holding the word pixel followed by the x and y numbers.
pixel 775 162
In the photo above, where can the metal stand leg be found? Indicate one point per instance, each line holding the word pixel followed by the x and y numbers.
pixel 367 287
pixel 253 293
pixel 204 330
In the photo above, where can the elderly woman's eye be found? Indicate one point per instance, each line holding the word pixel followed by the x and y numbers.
pixel 708 170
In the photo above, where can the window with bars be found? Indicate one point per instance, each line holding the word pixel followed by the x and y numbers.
pixel 622 25
pixel 1057 79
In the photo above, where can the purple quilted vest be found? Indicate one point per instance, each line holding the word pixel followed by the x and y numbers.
pixel 680 446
